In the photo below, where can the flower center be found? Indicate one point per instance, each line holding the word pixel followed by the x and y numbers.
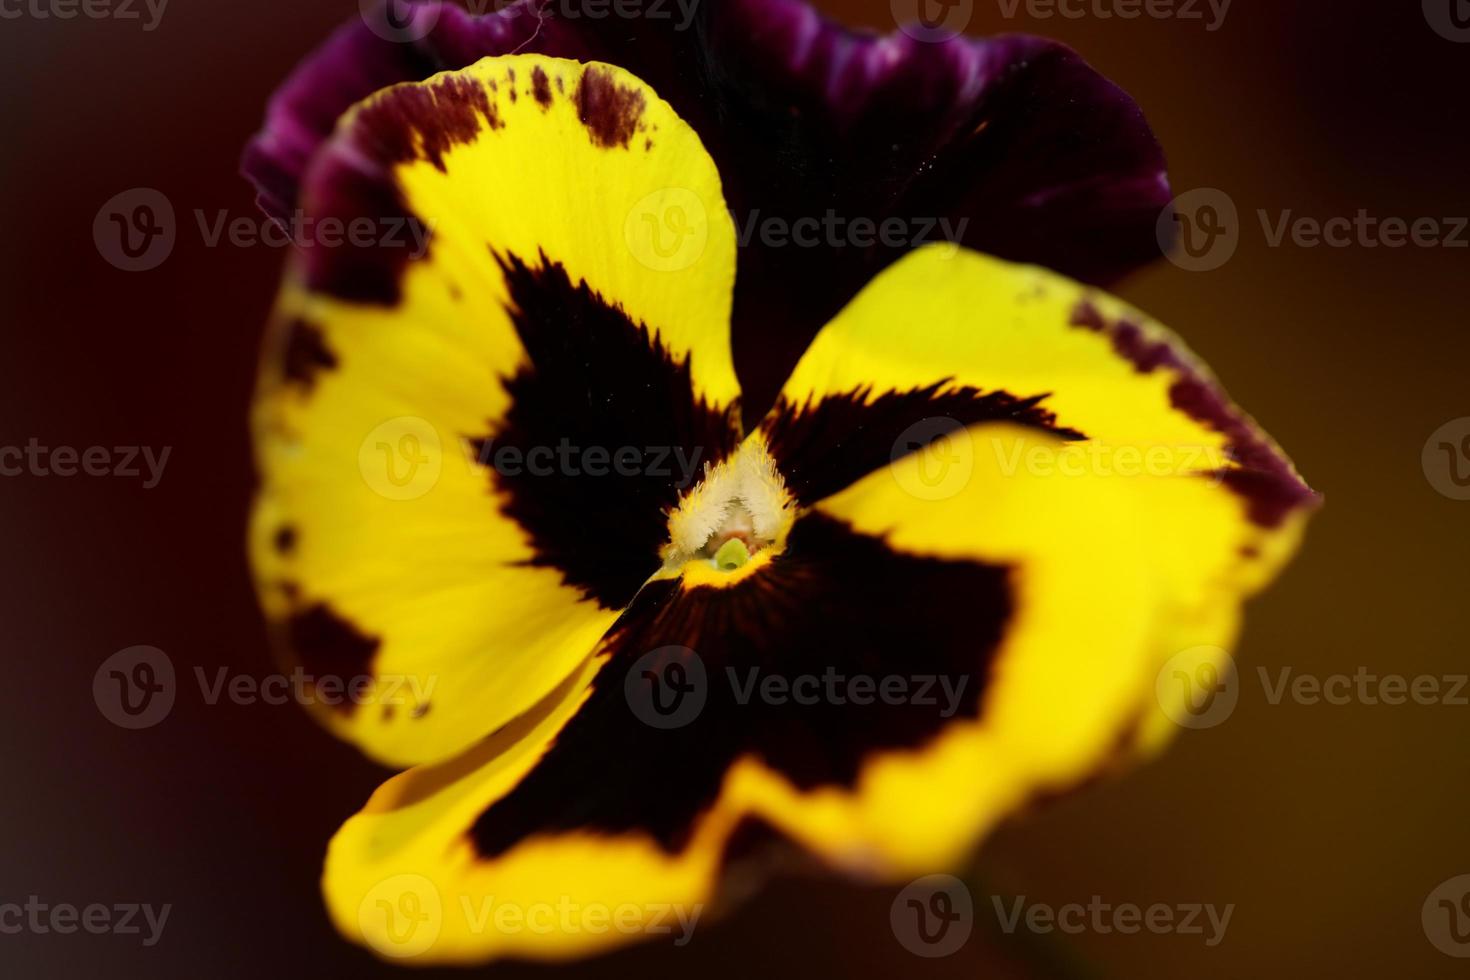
pixel 738 511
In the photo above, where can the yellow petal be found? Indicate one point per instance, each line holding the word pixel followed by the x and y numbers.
pixel 573 299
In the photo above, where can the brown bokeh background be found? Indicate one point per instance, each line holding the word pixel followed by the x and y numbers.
pixel 1326 826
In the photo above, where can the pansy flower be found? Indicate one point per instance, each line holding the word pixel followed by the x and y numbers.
pixel 629 621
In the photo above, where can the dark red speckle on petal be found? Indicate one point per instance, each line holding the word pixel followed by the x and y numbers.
pixel 330 646
pixel 1261 475
pixel 1088 317
pixel 541 87
pixel 414 122
pixel 306 353
pixel 610 112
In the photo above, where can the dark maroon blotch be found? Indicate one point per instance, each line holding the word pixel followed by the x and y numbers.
pixel 306 354
pixel 610 111
pixel 836 600
pixel 824 446
pixel 594 379
pixel 541 87
pixel 1262 476
pixel 327 645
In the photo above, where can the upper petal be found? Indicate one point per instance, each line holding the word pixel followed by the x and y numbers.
pixel 1014 142
pixel 436 430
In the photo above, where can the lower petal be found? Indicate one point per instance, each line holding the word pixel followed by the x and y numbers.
pixel 1034 608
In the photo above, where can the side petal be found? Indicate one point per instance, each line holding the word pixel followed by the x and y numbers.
pixel 439 418
pixel 949 338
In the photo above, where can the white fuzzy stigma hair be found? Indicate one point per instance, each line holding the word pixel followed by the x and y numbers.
pixel 743 493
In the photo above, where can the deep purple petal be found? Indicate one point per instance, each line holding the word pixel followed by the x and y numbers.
pixel 1043 159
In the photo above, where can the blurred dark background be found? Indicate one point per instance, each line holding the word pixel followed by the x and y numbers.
pixel 1326 826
